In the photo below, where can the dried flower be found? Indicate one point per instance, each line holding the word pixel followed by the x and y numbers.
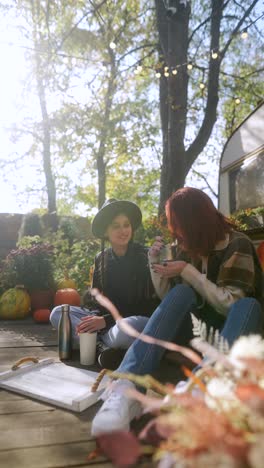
pixel 221 426
pixel 251 346
pixel 220 393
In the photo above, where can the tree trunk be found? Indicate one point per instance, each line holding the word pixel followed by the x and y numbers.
pixel 100 157
pixel 173 34
pixel 174 42
pixel 46 154
pixel 46 140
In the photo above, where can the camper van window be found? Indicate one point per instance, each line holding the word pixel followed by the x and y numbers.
pixel 246 183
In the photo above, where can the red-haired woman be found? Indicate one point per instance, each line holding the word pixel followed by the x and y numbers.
pixel 215 274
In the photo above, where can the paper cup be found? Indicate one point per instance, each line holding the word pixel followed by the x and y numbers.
pixel 87 348
pixel 165 253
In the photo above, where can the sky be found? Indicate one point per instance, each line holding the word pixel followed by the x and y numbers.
pixel 14 109
pixel 13 73
pixel 15 106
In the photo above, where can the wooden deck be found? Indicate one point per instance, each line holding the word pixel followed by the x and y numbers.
pixel 38 435
pixel 34 434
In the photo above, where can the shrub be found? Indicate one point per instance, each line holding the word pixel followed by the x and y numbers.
pixel 74 258
pixel 153 226
pixel 249 218
pixel 30 265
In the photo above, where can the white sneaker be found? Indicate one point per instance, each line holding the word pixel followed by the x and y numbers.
pixel 117 411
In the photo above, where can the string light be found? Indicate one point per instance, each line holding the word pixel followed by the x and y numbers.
pixel 244 34
pixel 214 54
pixel 138 69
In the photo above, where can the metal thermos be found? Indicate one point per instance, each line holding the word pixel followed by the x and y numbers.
pixel 64 333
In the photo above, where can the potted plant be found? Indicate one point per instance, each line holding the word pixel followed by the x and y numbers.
pixel 31 265
pixel 250 218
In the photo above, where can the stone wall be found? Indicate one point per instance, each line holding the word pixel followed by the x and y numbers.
pixel 10 224
pixel 9 227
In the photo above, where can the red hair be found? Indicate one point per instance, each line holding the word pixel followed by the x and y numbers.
pixel 201 225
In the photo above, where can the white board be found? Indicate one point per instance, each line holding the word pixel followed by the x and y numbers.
pixel 54 383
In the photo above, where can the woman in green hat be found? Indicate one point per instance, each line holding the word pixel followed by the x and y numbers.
pixel 122 273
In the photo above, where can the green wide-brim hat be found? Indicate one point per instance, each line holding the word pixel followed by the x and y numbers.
pixel 110 209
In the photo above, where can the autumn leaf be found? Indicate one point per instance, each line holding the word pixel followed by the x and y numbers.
pixel 121 447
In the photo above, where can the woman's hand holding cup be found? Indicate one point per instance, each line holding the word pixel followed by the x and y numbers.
pixel 155 249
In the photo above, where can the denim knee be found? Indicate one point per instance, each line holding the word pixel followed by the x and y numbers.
pixel 245 317
pixel 117 338
pixel 249 304
pixel 55 316
pixel 184 290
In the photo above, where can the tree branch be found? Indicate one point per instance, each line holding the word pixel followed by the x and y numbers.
pixel 213 79
pixel 144 46
pixel 199 174
pixel 242 77
pixel 213 87
pixel 138 61
pixel 197 28
pixel 95 8
pixel 237 27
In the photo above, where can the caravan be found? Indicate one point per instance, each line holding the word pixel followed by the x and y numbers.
pixel 241 175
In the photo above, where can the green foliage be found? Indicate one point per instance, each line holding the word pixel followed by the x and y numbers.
pixel 249 218
pixel 39 263
pixel 31 225
pixel 69 229
pixel 42 262
pixel 73 258
pixel 153 226
pixel 103 119
pixel 30 265
pixel 102 110
pixel 249 89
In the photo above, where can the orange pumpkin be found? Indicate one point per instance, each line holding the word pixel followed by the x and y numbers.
pixel 41 315
pixel 67 296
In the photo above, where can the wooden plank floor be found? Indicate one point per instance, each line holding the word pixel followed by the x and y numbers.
pixel 34 434
pixel 38 435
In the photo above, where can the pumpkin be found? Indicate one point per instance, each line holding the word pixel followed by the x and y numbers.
pixel 67 296
pixel 14 304
pixel 41 315
pixel 66 283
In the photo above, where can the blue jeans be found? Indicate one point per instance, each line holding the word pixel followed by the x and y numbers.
pixel 173 314
pixel 114 337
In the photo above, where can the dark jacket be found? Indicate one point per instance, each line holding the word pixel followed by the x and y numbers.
pixel 126 281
